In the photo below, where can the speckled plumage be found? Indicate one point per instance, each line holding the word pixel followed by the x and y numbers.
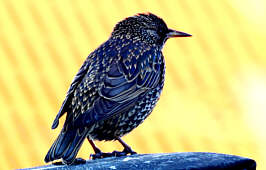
pixel 116 88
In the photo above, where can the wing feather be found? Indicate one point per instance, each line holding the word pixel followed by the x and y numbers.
pixel 110 83
pixel 67 102
pixel 124 84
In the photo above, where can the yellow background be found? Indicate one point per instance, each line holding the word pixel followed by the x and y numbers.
pixel 214 98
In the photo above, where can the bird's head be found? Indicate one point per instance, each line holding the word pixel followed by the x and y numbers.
pixel 146 27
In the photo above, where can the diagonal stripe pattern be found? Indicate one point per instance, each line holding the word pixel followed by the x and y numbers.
pixel 215 89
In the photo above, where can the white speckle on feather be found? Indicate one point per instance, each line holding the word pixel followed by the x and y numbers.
pixel 147 162
pixel 112 167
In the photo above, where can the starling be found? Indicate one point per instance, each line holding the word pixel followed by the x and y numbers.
pixel 115 89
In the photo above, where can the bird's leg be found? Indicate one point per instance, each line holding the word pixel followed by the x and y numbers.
pixel 127 149
pixel 94 147
pixel 98 153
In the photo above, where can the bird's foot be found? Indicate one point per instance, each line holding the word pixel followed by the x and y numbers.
pixel 58 163
pixel 125 152
pixel 100 155
pixel 128 150
pixel 77 161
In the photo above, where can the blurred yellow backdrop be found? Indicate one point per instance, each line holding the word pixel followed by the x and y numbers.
pixel 214 98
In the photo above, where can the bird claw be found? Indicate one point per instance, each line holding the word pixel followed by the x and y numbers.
pixel 128 150
pixel 58 163
pixel 100 155
pixel 118 154
pixel 79 161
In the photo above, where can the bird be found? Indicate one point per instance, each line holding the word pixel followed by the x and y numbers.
pixel 115 89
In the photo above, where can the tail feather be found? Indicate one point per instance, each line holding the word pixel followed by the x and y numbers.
pixel 74 148
pixel 66 146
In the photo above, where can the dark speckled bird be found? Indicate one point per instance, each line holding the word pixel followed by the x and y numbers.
pixel 116 88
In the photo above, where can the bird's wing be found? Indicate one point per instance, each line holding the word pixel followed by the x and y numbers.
pixel 127 80
pixel 66 103
pixel 132 75
pixel 86 83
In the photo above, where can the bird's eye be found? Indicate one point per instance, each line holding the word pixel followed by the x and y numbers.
pixel 160 31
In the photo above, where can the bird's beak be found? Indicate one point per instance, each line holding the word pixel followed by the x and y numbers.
pixel 174 33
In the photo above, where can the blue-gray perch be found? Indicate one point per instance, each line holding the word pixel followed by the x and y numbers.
pixel 165 161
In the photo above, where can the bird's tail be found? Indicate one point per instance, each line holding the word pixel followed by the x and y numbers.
pixel 67 145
